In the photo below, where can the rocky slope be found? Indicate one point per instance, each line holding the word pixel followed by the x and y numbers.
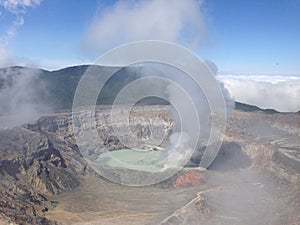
pixel 42 159
pixel 33 165
pixel 40 163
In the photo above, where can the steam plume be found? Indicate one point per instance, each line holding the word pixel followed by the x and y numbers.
pixel 20 96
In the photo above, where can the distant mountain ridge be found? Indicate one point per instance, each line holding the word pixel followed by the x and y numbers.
pixel 57 87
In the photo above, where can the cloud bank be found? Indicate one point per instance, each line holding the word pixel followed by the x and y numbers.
pixel 281 93
pixel 126 21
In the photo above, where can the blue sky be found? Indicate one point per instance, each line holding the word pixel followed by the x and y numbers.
pixel 241 37
pixel 259 35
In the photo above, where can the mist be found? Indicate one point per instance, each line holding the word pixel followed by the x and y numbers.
pixel 22 96
pixel 189 105
pixel 245 195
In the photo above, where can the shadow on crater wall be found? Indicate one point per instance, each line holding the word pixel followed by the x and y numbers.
pixel 230 157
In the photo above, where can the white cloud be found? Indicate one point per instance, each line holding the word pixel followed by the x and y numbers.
pixel 8 59
pixel 18 8
pixel 5 56
pixel 275 92
pixel 176 21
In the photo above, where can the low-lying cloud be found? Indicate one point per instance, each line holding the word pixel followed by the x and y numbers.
pixel 273 92
pixel 126 21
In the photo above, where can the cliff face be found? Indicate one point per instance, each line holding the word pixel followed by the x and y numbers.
pixel 34 165
pixel 147 123
pixel 272 141
pixel 42 159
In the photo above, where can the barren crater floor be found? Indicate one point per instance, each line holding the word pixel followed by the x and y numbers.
pixel 226 198
pixel 254 180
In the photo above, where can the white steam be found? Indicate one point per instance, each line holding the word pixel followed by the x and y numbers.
pixel 20 99
pixel 190 107
pixel 273 92
pixel 183 152
pixel 5 56
pixel 126 21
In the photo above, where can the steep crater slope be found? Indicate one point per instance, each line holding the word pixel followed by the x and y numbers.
pixel 32 166
pixel 42 160
pixel 271 140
